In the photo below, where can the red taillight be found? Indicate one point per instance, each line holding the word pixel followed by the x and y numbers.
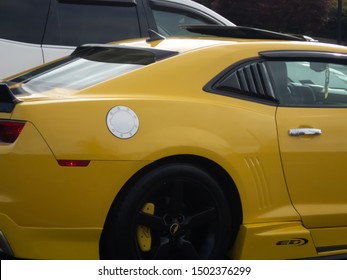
pixel 74 163
pixel 10 130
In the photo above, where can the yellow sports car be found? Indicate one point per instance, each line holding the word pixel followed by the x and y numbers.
pixel 230 144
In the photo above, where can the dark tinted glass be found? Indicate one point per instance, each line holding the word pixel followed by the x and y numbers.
pixel 76 24
pixel 169 16
pixel 23 20
pixel 168 21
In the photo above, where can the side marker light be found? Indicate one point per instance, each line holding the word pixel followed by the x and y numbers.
pixel 74 163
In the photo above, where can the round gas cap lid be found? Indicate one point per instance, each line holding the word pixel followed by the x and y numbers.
pixel 122 122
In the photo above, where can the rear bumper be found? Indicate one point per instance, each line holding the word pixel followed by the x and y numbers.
pixel 48 211
pixel 19 242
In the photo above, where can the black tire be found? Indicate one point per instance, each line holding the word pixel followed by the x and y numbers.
pixel 191 219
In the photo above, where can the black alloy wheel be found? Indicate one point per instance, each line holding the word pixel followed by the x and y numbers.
pixel 189 217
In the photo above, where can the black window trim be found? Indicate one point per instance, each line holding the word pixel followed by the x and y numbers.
pixel 146 17
pixel 101 2
pixel 295 55
pixel 268 99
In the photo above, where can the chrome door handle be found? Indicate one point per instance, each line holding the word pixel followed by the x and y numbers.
pixel 304 131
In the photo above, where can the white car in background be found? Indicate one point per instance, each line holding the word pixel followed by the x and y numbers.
pixel 33 32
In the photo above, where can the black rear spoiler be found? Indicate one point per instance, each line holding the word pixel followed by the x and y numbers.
pixel 240 32
pixel 7 99
pixel 122 54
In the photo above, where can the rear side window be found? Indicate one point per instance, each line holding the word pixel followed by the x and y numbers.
pixel 74 24
pixel 23 20
pixel 247 81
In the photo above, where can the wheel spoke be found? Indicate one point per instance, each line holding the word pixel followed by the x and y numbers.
pixel 176 201
pixel 162 252
pixel 204 217
pixel 188 250
pixel 175 211
pixel 148 220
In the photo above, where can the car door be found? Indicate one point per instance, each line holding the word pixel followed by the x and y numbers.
pixel 312 135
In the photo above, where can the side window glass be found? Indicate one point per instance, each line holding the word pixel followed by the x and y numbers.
pixel 247 81
pixel 23 20
pixel 169 20
pixel 73 24
pixel 311 83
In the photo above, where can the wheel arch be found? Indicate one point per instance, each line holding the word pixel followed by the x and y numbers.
pixel 215 170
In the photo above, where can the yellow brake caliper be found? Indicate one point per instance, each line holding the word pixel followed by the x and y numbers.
pixel 144 238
